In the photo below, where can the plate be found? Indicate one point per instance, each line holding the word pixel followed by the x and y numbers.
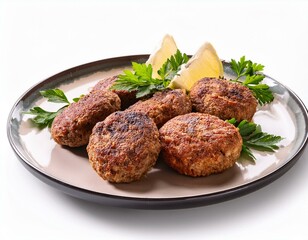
pixel 68 169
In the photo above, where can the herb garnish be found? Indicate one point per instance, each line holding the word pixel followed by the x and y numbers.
pixel 249 74
pixel 45 118
pixel 254 138
pixel 172 66
pixel 141 80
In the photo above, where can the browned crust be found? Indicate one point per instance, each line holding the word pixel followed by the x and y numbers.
pixel 164 105
pixel 124 147
pixel 198 144
pixel 127 98
pixel 73 126
pixel 223 99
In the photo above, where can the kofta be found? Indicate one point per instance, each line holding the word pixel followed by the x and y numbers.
pixel 223 98
pixel 198 144
pixel 73 126
pixel 164 105
pixel 127 97
pixel 124 147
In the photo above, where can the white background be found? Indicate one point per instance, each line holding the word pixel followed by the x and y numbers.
pixel 39 39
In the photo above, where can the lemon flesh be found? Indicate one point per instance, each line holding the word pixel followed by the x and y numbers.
pixel 205 63
pixel 165 50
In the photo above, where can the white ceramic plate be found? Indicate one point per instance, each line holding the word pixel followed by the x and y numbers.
pixel 69 171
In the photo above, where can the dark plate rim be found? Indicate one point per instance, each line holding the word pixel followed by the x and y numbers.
pixel 148 203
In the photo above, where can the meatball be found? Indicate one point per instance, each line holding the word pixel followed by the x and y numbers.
pixel 127 98
pixel 73 126
pixel 164 105
pixel 198 144
pixel 223 99
pixel 124 147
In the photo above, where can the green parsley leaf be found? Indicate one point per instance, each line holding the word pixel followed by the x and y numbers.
pixel 249 74
pixel 254 79
pixel 246 128
pixel 262 93
pixel 141 80
pixel 45 118
pixel 42 117
pixel 173 64
pixel 55 95
pixel 142 70
pixel 253 68
pixel 239 67
pixel 247 153
pixel 254 138
pixel 78 98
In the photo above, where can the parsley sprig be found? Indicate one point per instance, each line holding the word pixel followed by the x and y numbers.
pixel 45 118
pixel 172 66
pixel 141 80
pixel 254 138
pixel 250 75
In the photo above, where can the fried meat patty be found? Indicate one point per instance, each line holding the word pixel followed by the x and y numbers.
pixel 124 147
pixel 127 98
pixel 223 99
pixel 198 144
pixel 163 106
pixel 73 126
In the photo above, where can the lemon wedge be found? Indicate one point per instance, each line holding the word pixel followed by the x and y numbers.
pixel 166 49
pixel 205 63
